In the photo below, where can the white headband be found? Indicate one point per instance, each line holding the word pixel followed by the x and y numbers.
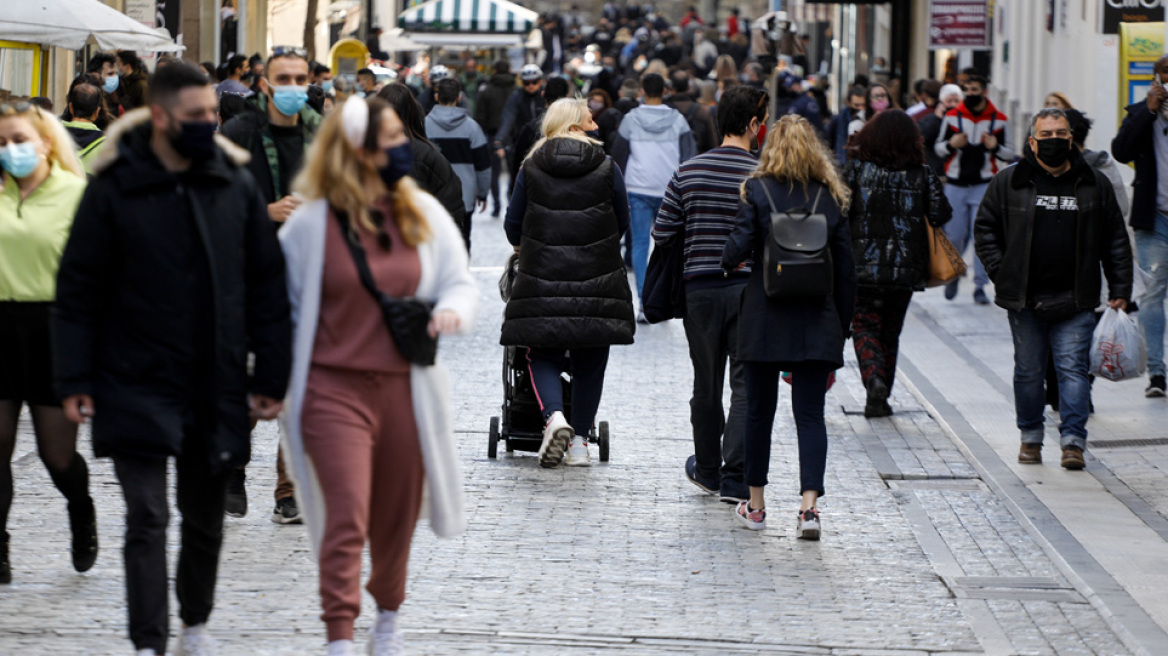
pixel 355 121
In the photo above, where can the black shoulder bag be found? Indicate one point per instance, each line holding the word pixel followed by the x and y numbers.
pixel 408 319
pixel 796 259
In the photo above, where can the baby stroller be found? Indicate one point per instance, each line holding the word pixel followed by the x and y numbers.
pixel 520 426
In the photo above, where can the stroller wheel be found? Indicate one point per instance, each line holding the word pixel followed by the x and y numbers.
pixel 603 441
pixel 493 440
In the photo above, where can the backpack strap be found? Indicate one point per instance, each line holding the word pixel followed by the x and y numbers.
pixel 768 195
pixel 818 193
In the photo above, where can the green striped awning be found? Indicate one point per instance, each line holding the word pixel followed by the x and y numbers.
pixel 498 16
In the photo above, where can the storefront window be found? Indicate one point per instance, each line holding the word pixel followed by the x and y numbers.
pixel 19 70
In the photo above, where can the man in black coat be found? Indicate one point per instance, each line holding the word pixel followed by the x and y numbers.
pixel 171 276
pixel 1044 228
pixel 1143 138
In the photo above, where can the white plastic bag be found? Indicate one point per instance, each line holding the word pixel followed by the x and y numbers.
pixel 1118 350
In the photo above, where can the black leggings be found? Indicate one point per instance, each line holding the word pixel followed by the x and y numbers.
pixel 56 439
pixel 808 390
pixel 587 368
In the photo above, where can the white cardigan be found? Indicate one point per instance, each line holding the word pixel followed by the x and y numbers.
pixel 446 279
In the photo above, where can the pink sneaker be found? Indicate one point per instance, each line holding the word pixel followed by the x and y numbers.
pixel 754 520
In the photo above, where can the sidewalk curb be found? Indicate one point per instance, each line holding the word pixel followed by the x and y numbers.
pixel 910 376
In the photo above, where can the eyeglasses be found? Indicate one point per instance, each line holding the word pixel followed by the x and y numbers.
pixel 12 109
pixel 284 51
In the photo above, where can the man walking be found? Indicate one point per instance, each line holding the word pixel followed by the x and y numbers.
pixel 1143 139
pixel 972 141
pixel 653 140
pixel 699 207
pixel 523 105
pixel 171 276
pixel 489 115
pixel 1043 230
pixel 236 67
pixel 85 107
pixel 463 144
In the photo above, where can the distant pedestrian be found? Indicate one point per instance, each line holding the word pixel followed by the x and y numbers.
pixel 236 67
pixel 85 106
pixel 488 114
pixel 1057 100
pixel 133 90
pixel 972 141
pixel 607 117
pixel 42 185
pixel 698 212
pixel 893 195
pixel 171 276
pixel 837 131
pixel 877 98
pixel 1143 139
pixel 524 105
pixel 571 295
pixel 948 97
pixel 803 336
pixel 463 144
pixel 368 431
pixel 1044 229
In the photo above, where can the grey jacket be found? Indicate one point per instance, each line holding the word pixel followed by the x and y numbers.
pixel 464 145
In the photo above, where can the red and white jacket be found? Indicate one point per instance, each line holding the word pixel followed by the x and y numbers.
pixel 973 164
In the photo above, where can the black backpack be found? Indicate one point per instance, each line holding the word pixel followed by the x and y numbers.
pixel 796 259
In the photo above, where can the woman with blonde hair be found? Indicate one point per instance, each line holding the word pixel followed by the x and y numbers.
pixel 725 73
pixel 367 427
pixel 1057 100
pixel 802 334
pixel 43 182
pixel 571 294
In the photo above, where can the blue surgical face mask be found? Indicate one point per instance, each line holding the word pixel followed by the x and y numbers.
pixel 289 98
pixel 20 159
pixel 401 162
pixel 326 86
pixel 110 83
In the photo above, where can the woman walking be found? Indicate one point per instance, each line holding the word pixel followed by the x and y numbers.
pixel 804 336
pixel 366 429
pixel 893 194
pixel 42 185
pixel 571 294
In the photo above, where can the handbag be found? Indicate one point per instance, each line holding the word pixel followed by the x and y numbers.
pixel 663 297
pixel 796 259
pixel 945 263
pixel 408 319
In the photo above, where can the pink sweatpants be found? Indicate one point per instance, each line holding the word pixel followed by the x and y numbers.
pixel 360 432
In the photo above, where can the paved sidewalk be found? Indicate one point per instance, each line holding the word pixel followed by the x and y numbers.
pixel 920 554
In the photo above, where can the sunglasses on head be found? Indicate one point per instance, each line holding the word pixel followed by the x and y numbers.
pixel 12 109
pixel 282 51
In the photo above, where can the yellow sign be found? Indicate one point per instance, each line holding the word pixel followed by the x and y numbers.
pixel 348 56
pixel 22 65
pixel 1140 45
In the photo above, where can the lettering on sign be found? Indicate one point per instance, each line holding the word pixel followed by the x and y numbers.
pixel 1130 11
pixel 959 24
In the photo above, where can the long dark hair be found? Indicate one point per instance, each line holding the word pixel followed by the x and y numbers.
pixel 408 110
pixel 890 140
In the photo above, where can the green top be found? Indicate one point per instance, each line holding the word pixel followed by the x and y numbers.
pixel 33 234
pixel 90 152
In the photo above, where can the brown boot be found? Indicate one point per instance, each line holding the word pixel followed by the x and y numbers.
pixel 1073 458
pixel 1030 454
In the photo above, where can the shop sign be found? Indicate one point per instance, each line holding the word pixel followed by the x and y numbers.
pixel 1130 11
pixel 959 24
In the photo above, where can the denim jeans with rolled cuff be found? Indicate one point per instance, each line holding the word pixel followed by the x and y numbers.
pixel 1152 255
pixel 1069 342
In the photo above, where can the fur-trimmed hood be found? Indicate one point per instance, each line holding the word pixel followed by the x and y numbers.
pixel 137 122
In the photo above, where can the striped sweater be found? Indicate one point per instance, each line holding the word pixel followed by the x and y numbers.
pixel 702 199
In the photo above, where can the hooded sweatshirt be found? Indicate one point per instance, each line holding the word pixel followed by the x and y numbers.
pixel 464 145
pixel 652 142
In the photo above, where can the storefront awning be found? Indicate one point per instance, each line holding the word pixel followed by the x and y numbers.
pixel 71 23
pixel 478 16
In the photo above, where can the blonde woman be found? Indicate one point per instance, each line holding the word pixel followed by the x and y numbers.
pixel 42 185
pixel 725 73
pixel 571 294
pixel 804 336
pixel 1057 100
pixel 366 430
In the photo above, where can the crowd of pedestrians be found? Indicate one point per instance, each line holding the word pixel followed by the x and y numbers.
pixel 317 246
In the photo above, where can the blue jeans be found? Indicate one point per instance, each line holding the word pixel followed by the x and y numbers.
pixel 1152 254
pixel 1069 343
pixel 959 230
pixel 642 213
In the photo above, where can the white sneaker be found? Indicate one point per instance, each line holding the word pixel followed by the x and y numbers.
pixel 195 641
pixel 384 637
pixel 578 453
pixel 342 648
pixel 556 435
pixel 145 652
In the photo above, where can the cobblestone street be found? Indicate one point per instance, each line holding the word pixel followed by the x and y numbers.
pixel 928 548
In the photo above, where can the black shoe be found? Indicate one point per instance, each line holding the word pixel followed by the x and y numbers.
pixel 951 291
pixel 83 524
pixel 495 213
pixel 287 512
pixel 5 567
pixel 733 491
pixel 1155 388
pixel 877 390
pixel 691 472
pixel 980 297
pixel 877 409
pixel 235 505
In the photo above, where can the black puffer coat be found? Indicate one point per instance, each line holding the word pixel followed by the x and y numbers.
pixel 115 333
pixel 433 174
pixel 571 290
pixel 887 219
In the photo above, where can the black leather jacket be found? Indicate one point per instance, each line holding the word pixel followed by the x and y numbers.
pixel 1004 230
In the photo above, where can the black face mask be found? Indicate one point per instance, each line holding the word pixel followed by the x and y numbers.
pixel 195 140
pixel 972 101
pixel 1053 152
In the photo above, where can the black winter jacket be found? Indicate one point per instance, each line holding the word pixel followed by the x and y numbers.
pixel 887 221
pixel 1004 230
pixel 433 174
pixel 113 327
pixel 791 330
pixel 571 290
pixel 491 101
pixel 1134 142
pixel 247 130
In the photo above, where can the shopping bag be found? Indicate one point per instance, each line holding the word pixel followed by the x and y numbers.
pixel 1118 350
pixel 945 263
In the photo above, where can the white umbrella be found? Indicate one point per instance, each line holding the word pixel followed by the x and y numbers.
pixel 70 24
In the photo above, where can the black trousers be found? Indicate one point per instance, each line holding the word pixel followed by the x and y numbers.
pixel 200 500
pixel 808 392
pixel 711 328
